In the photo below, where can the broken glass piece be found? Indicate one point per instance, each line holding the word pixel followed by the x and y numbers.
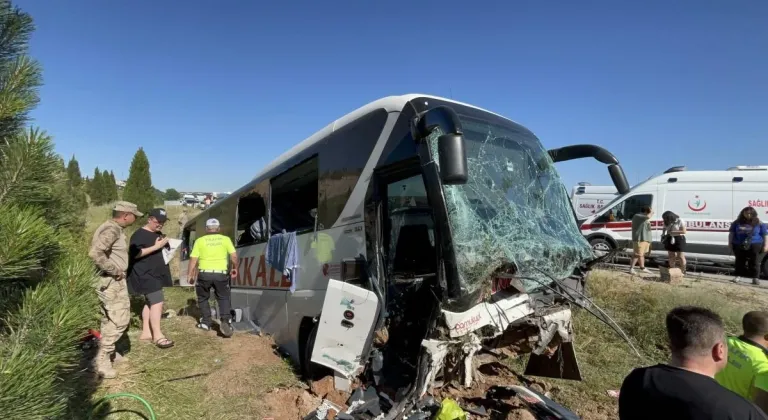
pixel 357 395
pixel 377 364
pixel 514 208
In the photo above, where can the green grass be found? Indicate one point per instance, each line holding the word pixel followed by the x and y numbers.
pixel 205 377
pixel 235 374
pixel 202 377
pixel 639 307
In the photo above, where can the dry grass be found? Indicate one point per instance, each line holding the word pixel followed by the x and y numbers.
pixel 202 377
pixel 639 307
pixel 206 377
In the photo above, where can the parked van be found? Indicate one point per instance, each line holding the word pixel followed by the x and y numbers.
pixel 589 199
pixel 708 201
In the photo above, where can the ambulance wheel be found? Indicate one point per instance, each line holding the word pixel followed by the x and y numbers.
pixel 601 246
pixel 311 370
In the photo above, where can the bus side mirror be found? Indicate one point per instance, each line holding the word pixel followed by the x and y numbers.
pixel 453 159
pixel 450 146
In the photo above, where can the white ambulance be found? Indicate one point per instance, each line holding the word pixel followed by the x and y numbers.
pixel 589 199
pixel 708 201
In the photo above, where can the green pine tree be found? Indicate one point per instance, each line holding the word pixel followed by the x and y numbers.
pixel 77 187
pixel 21 75
pixel 138 187
pixel 46 294
pixel 87 186
pixel 73 173
pixel 106 195
pixel 97 188
pixel 112 186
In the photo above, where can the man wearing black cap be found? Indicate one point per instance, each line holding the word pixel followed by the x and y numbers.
pixel 148 274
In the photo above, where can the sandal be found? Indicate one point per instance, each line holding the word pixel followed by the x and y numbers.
pixel 164 343
pixel 145 340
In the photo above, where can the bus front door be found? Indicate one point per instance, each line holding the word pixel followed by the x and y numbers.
pixel 345 327
pixel 187 240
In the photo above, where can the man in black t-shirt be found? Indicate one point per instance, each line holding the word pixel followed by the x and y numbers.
pixel 685 388
pixel 148 274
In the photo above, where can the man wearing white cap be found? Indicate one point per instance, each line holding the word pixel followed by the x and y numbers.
pixel 213 252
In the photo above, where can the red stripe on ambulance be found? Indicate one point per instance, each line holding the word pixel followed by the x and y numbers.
pixel 690 225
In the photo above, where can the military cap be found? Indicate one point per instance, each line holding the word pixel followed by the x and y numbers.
pixel 127 207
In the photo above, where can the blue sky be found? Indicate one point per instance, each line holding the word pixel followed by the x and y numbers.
pixel 215 90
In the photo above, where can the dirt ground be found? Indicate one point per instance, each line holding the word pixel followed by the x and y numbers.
pixel 208 377
pixel 204 376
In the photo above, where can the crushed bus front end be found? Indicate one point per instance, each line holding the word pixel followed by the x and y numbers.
pixel 510 265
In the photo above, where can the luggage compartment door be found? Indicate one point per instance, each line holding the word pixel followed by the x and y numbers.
pixel 345 327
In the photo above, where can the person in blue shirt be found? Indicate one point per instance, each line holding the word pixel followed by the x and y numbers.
pixel 747 238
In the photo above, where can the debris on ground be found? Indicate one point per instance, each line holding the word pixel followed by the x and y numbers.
pixel 501 394
pixel 452 368
pixel 450 410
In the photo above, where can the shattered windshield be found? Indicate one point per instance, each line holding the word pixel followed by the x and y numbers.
pixel 514 208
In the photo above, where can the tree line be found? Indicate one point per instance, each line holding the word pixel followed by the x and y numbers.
pixel 102 187
pixel 47 298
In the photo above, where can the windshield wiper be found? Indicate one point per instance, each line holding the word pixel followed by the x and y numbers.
pixel 602 316
pixel 599 259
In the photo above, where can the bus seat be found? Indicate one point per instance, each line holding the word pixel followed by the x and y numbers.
pixel 414 252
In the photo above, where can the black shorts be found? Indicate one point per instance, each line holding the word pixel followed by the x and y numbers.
pixel 678 246
pixel 154 297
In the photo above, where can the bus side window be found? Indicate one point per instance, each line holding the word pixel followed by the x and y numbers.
pixel 294 196
pixel 252 217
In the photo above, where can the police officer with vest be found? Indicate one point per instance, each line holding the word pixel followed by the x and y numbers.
pixel 215 256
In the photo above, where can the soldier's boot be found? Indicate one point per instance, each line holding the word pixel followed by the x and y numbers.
pixel 104 366
pixel 118 358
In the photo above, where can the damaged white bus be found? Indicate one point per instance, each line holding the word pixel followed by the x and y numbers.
pixel 427 231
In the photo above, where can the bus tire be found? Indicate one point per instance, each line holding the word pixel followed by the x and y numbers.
pixel 310 370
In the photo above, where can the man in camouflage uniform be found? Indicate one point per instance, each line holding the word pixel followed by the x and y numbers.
pixel 109 251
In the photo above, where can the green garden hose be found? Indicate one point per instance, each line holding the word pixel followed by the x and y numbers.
pixel 125 394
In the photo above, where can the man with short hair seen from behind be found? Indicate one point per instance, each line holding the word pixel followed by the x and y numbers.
pixel 747 371
pixel 213 253
pixel 109 252
pixel 641 238
pixel 685 388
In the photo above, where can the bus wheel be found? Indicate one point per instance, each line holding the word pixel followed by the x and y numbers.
pixel 311 370
pixel 600 246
